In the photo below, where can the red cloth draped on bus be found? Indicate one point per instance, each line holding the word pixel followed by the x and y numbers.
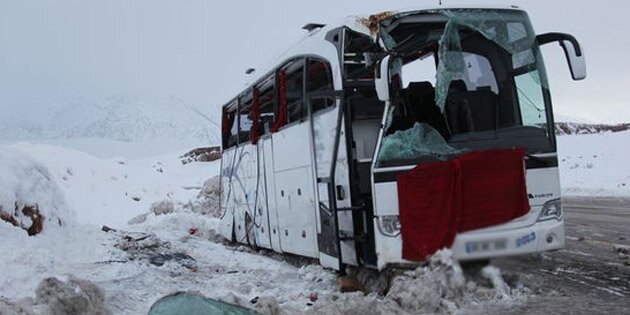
pixel 282 102
pixel 475 190
pixel 253 131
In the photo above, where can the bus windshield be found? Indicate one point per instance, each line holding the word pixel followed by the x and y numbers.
pixel 462 80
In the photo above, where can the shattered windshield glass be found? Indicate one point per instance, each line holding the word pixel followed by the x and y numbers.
pixel 490 88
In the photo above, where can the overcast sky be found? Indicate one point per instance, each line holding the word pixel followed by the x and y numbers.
pixel 55 52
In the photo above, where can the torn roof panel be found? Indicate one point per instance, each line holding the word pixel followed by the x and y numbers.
pixel 315 43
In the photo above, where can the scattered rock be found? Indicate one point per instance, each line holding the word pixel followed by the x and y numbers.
pixel 76 296
pixel 9 308
pixel 106 229
pixel 207 154
pixel 567 128
pixel 27 217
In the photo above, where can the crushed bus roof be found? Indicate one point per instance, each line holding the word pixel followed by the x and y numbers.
pixel 315 43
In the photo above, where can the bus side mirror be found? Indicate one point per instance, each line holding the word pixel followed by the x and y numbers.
pixel 572 51
pixel 381 79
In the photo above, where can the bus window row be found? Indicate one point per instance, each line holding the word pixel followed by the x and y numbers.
pixel 276 101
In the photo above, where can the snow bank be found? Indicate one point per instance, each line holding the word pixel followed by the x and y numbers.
pixel 28 193
pixel 440 287
pixel 595 165
pixel 58 297
pixel 112 191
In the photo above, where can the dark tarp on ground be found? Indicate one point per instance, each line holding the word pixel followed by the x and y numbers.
pixel 475 190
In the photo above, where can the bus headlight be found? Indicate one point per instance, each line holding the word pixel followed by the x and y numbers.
pixel 389 225
pixel 551 210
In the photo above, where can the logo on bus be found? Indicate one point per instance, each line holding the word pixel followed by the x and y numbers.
pixel 525 239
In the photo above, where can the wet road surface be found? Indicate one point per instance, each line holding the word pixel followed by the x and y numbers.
pixel 590 276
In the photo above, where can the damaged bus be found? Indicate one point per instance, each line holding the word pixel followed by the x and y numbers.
pixel 382 139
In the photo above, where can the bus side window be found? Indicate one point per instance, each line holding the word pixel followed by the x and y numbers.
pixel 229 127
pixel 294 87
pixel 319 79
pixel 245 118
pixel 266 110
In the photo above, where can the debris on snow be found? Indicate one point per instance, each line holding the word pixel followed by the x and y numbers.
pixel 148 247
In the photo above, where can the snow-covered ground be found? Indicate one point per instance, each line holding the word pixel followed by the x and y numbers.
pixel 103 182
pixel 111 191
pixel 595 164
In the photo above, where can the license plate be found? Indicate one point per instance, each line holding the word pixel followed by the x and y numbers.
pixel 486 246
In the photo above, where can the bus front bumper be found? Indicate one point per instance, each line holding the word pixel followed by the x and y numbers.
pixel 539 237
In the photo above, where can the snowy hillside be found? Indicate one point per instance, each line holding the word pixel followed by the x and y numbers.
pixel 112 191
pixel 117 118
pixel 595 164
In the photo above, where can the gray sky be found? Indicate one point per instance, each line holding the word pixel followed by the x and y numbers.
pixel 55 52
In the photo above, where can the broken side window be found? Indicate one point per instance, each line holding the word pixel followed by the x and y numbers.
pixel 229 126
pixel 318 80
pixel 245 117
pixel 266 107
pixel 294 89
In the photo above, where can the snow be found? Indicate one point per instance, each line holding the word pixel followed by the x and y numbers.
pixel 112 191
pixel 26 182
pixel 123 118
pixel 171 205
pixel 595 164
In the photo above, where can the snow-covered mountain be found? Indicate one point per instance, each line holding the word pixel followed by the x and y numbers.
pixel 118 118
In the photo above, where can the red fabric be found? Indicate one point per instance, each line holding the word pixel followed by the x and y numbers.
pixel 253 131
pixel 224 123
pixel 494 188
pixel 427 223
pixel 476 190
pixel 282 103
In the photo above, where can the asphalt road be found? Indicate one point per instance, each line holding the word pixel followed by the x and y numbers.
pixel 590 276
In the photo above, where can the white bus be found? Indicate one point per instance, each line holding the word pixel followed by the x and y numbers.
pixel 314 150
